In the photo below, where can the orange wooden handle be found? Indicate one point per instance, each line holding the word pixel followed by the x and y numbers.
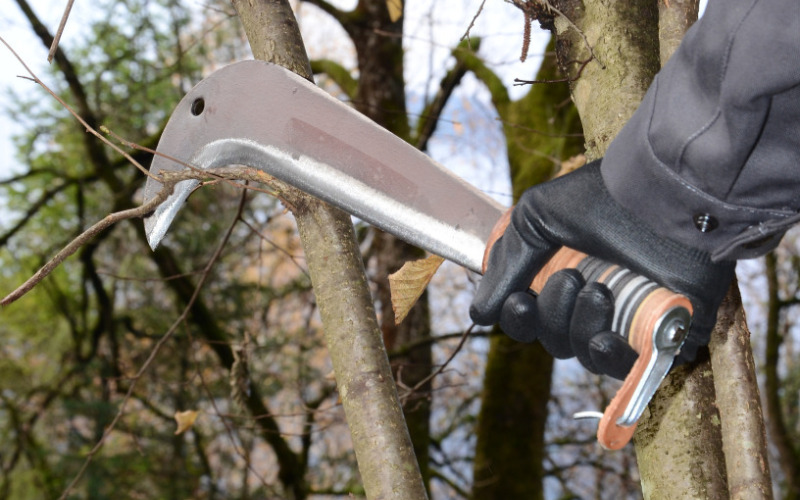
pixel 638 315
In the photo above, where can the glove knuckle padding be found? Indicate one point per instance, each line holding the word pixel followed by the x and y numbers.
pixel 612 355
pixel 577 211
pixel 513 262
pixel 519 318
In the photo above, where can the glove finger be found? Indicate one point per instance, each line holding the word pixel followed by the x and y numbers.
pixel 520 317
pixel 612 354
pixel 513 262
pixel 556 303
pixel 594 312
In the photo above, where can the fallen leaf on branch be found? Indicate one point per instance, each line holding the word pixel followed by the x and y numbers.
pixel 185 420
pixel 408 283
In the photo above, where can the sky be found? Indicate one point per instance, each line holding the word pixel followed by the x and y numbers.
pixel 15 30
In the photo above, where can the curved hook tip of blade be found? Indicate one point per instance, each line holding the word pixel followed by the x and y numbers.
pixel 157 225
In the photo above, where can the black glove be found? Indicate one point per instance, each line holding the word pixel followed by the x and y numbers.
pixel 572 318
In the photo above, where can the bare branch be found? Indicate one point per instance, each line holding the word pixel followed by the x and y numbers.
pixel 38 204
pixel 465 36
pixel 83 122
pixel 441 368
pixel 328 8
pixel 518 82
pixel 60 31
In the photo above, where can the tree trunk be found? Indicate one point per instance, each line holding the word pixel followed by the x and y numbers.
pixel 510 449
pixel 610 61
pixel 380 95
pixel 380 438
pixel 678 440
pixel 510 452
pixel 744 439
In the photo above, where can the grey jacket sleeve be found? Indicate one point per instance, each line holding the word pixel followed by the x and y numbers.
pixel 712 156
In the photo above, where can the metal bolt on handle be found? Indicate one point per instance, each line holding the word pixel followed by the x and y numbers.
pixel 667 340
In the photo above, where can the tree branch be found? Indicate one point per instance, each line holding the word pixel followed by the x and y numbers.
pixel 338 73
pixel 381 441
pixel 96 152
pixel 33 209
pixel 788 457
pixel 146 365
pixel 433 111
pixel 338 14
pixel 493 83
pixel 742 423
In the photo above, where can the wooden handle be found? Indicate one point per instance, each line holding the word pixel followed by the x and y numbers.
pixel 639 305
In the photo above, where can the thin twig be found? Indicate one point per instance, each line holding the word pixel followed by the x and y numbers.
pixel 518 81
pixel 465 36
pixel 580 32
pixel 441 368
pixel 228 429
pixel 277 247
pixel 525 7
pixel 32 76
pixel 218 175
pixel 83 239
pixel 57 38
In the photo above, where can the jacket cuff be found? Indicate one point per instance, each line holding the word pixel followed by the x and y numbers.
pixel 644 185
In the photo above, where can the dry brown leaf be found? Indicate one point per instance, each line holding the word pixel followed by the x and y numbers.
pixel 185 420
pixel 407 284
pixel 395 9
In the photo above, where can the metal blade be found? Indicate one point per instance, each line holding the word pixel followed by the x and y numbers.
pixel 261 115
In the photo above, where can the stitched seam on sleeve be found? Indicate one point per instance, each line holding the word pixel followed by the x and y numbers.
pixel 725 62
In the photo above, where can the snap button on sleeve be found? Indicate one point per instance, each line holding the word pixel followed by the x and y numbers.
pixel 705 223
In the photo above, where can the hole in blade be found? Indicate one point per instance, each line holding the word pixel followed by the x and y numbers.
pixel 197 106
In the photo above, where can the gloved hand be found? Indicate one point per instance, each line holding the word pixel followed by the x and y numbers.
pixel 572 318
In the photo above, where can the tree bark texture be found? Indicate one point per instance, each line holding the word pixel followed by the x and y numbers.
pixel 380 438
pixel 677 440
pixel 609 50
pixel 674 18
